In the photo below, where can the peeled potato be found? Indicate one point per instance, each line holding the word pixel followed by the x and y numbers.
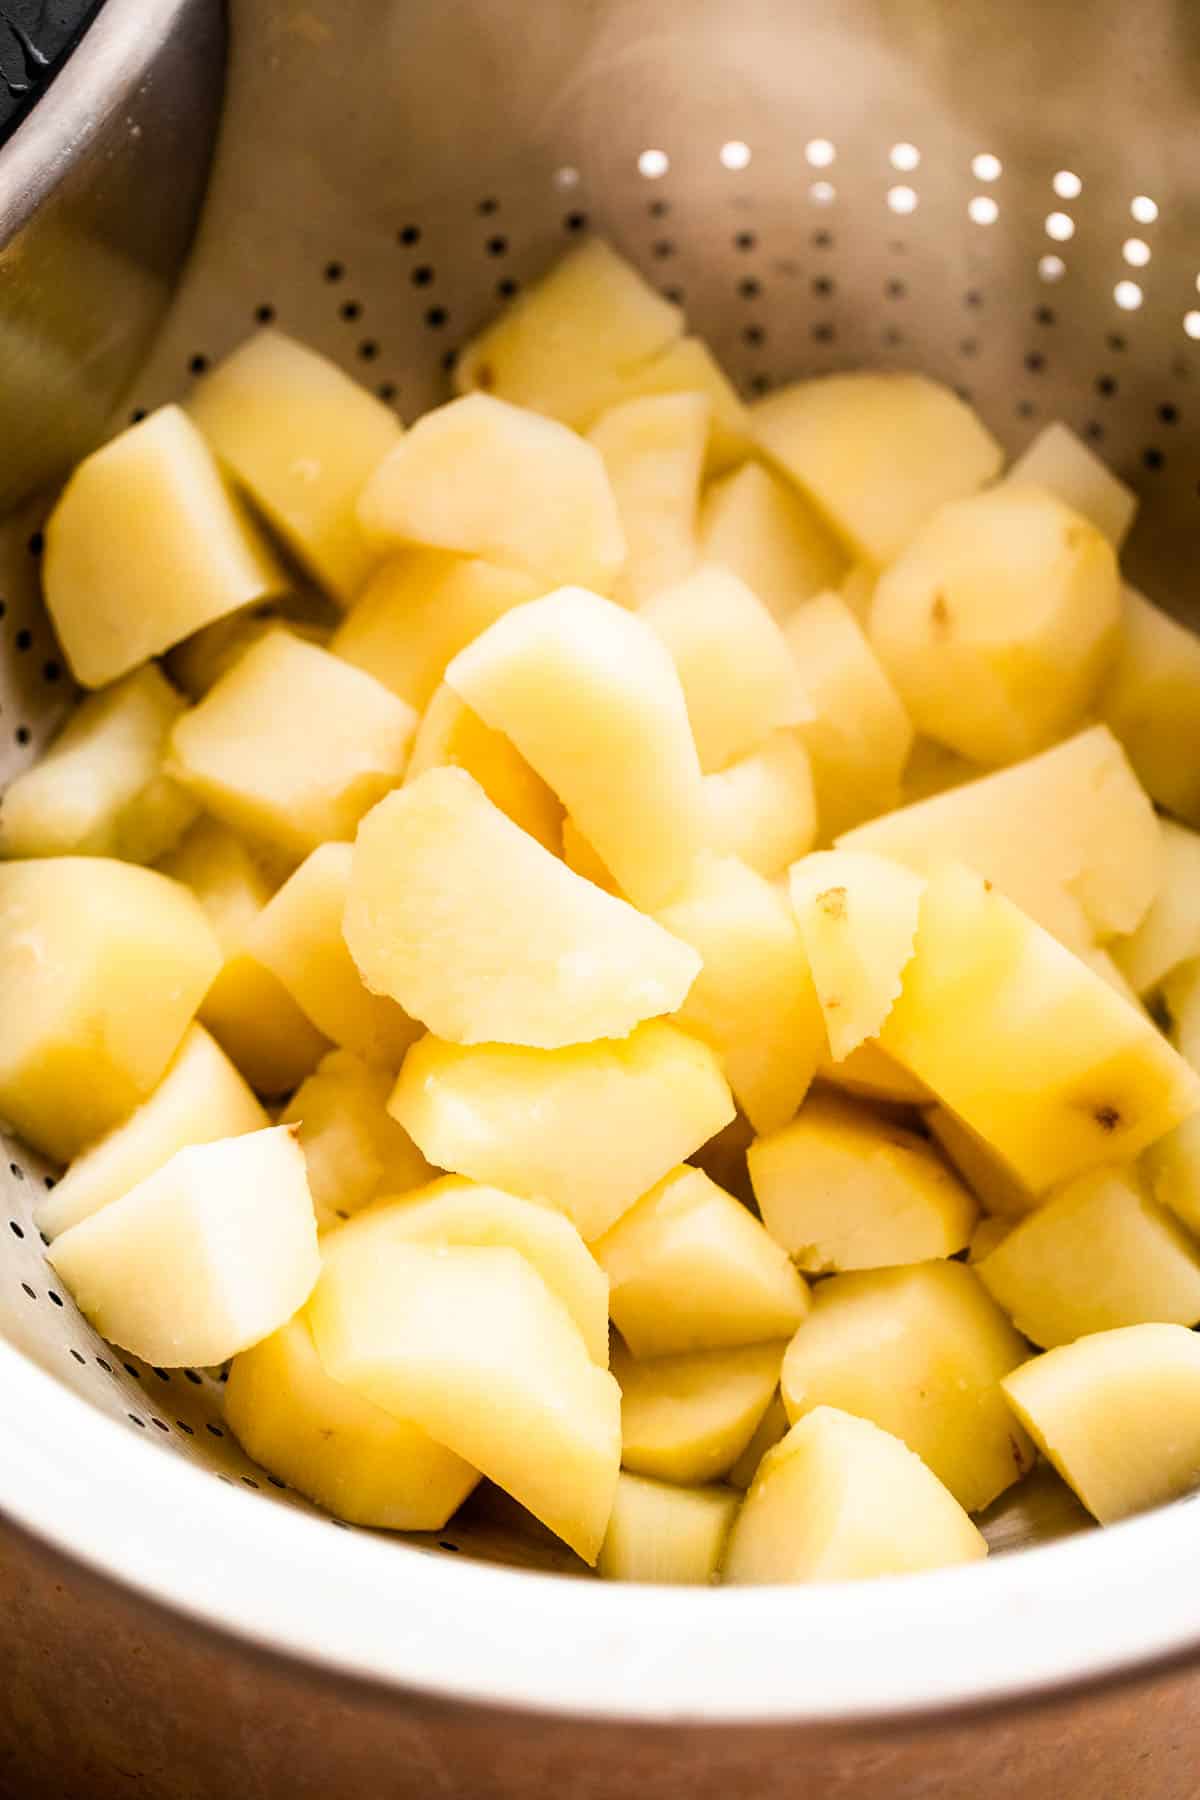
pixel 653 450
pixel 1152 703
pixel 688 366
pixel 1169 934
pixel 688 1418
pixel 451 736
pixel 666 1534
pixel 1061 463
pixel 353 1148
pixel 759 528
pixel 762 809
pixel 857 915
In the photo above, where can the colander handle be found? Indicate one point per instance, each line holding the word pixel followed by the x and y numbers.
pixel 36 38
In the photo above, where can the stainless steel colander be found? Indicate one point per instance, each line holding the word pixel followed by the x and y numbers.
pixel 1002 197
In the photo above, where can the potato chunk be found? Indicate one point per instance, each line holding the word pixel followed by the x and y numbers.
pixel 840 1188
pixel 871 1074
pixel 879 453
pixel 999 622
pixel 102 968
pixel 472 1346
pixel 591 698
pixel 1172 1167
pixel 763 809
pixel 353 1148
pixel 146 545
pixel 1152 702
pixel 688 366
pixel 688 1418
pixel 771 1428
pixel 99 790
pixel 1062 463
pixel 764 532
pixel 653 450
pixel 357 1461
pixel 587 1128
pixel 491 480
pixel 451 736
pixel 1118 1414
pixel 1169 934
pixel 989 1178
pixel 691 1269
pixel 920 1352
pixel 672 1536
pixel 857 915
pixel 1032 1050
pixel 211 1253
pixel 840 1500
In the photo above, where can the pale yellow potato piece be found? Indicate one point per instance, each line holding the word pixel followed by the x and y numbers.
pixel 872 1074
pixel 689 1418
pixel 1102 963
pixel 99 789
pixel 298 937
pixel 738 677
pixel 353 1148
pixel 857 589
pixel 1098 1255
pixel 1172 1167
pixel 934 769
pixel 920 1352
pixel 689 1268
pixel 450 735
pixel 357 1461
pixel 857 916
pixel 566 345
pixel 771 1428
pixel 879 453
pixel 198 663
pixel 453 1212
pixel 1062 463
pixel 211 1253
pixel 590 697
pixel 1152 703
pixel 293 745
pixel 758 527
pixel 492 480
pixel 1037 1054
pixel 999 622
pixel 1169 934
pixel 860 738
pixel 840 1188
pixel 1181 992
pixel 840 1500
pixel 688 366
pixel 754 999
pixel 989 1178
pixel 988 1235
pixel 763 809
pixel 102 968
pixel 587 1128
pixel 1069 836
pixel 247 1009
pixel 579 857
pixel 146 545
pixel 472 1346
pixel 668 1535
pixel 200 1098
pixel 1118 1414
pixel 653 450
pixel 419 610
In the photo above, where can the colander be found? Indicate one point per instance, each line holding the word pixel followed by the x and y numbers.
pixel 1002 197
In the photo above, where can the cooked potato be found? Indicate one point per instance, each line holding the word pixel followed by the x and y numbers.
pixel 771 1428
pixel 198 663
pixel 933 769
pixel 1169 933
pixel 1172 1167
pixel 1152 702
pixel 1061 463
pixel 988 1235
pixel 451 736
pixel 989 1178
pixel 764 532
pixel 353 1148
pixel 653 450
pixel 1181 993
pixel 857 915
pixel 581 859
pixel 688 366
pixel 762 809
pixel 668 1535
pixel 688 1418
pixel 871 1074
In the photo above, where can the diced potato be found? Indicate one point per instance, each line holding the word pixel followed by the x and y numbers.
pixel 302 439
pixel 450 735
pixel 99 789
pixel 840 1500
pixel 879 453
pixel 200 1098
pixel 211 1253
pixel 1181 992
pixel 737 675
pixel 198 663
pixel 920 1352
pixel 590 697
pixel 771 1428
pixel 688 366
pixel 565 345
pixel 861 736
pixel 665 1534
pixel 1062 463
pixel 419 610
pixel 352 1146
pixel 690 1268
pixel 1069 836
pixel 292 745
pixel 1152 702
pixel 933 769
pixel 857 589
pixel 857 915
pixel 1056 1072
pixel 102 968
pixel 1099 1254
pixel 454 1212
pixel 324 1440
pixel 146 545
pixel 1170 932
pixel 579 857
pixel 247 1009
pixel 999 622
pixel 1102 963
pixel 653 450
pixel 298 937
pixel 763 809
pixel 989 1178
pixel 988 1235
pixel 759 528
pixel 472 1346
pixel 754 999
pixel 1118 1414
pixel 587 1128
pixel 688 1418
pixel 1172 1167
pixel 840 1188
pixel 872 1074
pixel 491 480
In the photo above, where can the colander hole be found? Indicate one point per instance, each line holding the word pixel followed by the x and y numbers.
pixel 658 209
pixel 436 317
pixel 488 205
pixel 753 334
pixel 334 271
pixel 48 1181
pixel 507 288
pixel 248 1481
pixel 54 1299
pixel 79 1357
pixel 662 248
pixel 1106 385
pixel 824 332
pixel 191 1375
pixel 749 289
pixel 137 415
pixel 1116 341
pixel 102 1364
pixel 445 1544
pixel 198 363
pixel 968 347
pixel 422 275
pixel 23 735
pixel 368 350
pixel 1035 362
pixel 187 1430
pixel 162 1374
pixel 1153 459
pixel 15 1229
pixel 676 296
pixel 16 1171
pixel 265 313
pixel 160 1425
pixel 575 221
pixel 23 639
pixel 51 671
pixel 744 240
pixel 895 289
pixel 274 1481
pixel 1094 430
pixel 36 543
pixel 759 384
pixel 497 246
pixel 1169 414
pixel 1044 315
pixel 823 285
pixel 822 240
pixel 214 1431
pixel 1025 409
pixel 409 235
pixel 350 310
pixel 26 1289
pixel 134 1420
pixel 386 390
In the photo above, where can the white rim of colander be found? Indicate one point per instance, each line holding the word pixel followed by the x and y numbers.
pixel 347 1602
